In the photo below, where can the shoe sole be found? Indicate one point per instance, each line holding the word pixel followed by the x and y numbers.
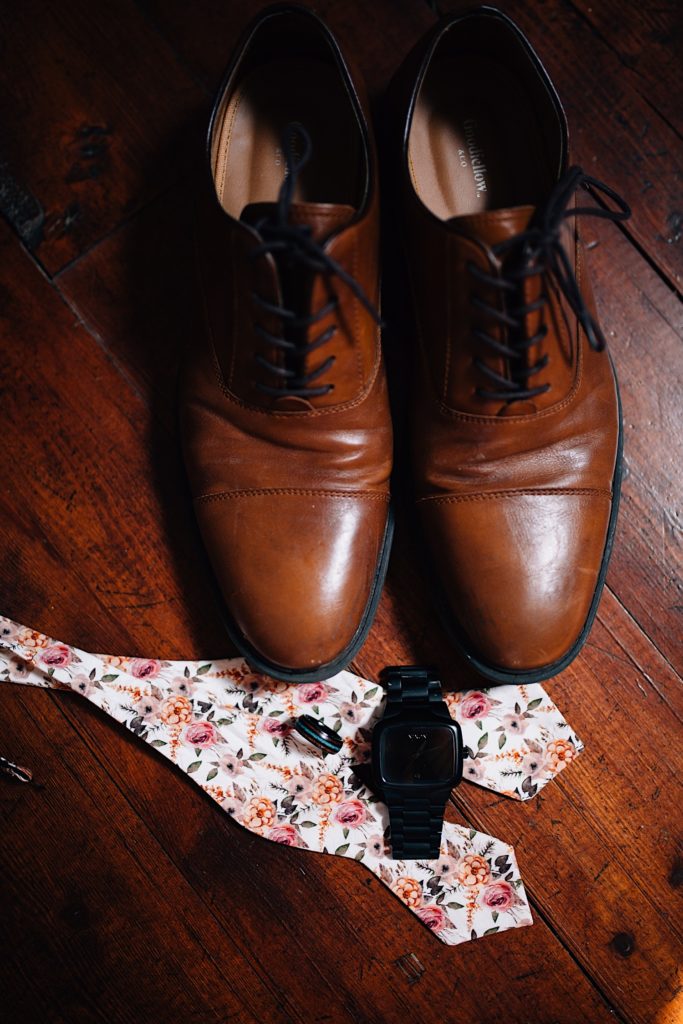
pixel 331 668
pixel 537 675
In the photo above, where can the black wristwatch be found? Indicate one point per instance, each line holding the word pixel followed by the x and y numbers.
pixel 417 757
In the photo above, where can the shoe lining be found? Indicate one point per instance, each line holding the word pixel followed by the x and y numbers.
pixel 247 154
pixel 475 141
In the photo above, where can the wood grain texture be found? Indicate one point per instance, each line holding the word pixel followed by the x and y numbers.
pixel 645 327
pixel 80 151
pixel 127 895
pixel 647 39
pixel 377 45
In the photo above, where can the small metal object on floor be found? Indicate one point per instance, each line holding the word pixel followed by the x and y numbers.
pixel 411 967
pixel 15 771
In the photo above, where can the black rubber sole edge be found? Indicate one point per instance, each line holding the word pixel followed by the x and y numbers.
pixel 538 675
pixel 321 672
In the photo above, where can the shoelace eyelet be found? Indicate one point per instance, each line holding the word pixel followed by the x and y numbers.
pixel 294 242
pixel 541 253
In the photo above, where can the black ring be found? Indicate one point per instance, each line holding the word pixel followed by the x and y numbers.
pixel 318 733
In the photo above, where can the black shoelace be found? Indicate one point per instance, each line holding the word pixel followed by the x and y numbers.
pixel 295 251
pixel 538 251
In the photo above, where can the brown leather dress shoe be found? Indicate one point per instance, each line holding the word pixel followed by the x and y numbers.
pixel 284 412
pixel 517 434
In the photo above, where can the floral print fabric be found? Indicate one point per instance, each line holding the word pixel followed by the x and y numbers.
pixel 515 738
pixel 231 730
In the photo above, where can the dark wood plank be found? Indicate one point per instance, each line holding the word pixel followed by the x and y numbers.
pixel 376 46
pixel 648 39
pixel 639 649
pixel 92 906
pixel 136 293
pixel 98 116
pixel 644 324
pixel 102 479
pixel 618 810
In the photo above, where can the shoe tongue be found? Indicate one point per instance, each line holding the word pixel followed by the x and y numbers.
pixel 493 226
pixel 489 228
pixel 322 218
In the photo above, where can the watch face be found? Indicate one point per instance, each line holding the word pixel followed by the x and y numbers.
pixel 417 754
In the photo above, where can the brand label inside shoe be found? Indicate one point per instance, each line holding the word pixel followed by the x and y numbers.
pixel 295 144
pixel 472 157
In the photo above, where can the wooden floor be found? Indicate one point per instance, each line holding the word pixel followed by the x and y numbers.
pixel 126 895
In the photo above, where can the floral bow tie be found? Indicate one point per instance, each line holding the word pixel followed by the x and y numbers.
pixel 231 730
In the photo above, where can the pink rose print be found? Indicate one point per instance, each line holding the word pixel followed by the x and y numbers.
pixel 534 765
pixel 446 867
pixel 83 685
pixel 229 764
pixel 285 834
pixel 515 724
pixel 144 668
pixel 433 917
pixel 376 846
pixel 231 805
pixel 474 769
pixel 148 708
pixel 276 726
pixel 312 693
pixel 350 813
pixel 498 896
pixel 201 734
pixel 475 705
pixel 56 656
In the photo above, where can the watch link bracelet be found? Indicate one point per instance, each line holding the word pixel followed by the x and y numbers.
pixel 417 757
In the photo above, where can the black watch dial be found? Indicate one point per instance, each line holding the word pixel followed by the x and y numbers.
pixel 417 754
